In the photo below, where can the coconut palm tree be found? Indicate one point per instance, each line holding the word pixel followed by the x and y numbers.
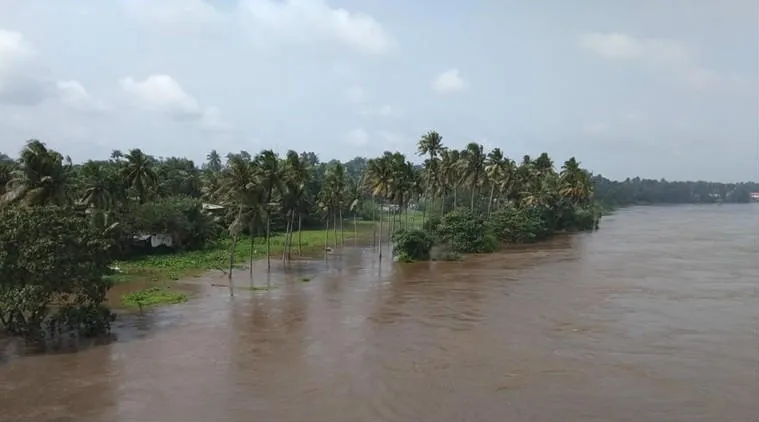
pixel 450 172
pixel 378 180
pixel 495 166
pixel 335 181
pixel 98 186
pixel 271 179
pixel 240 191
pixel 213 162
pixel 431 144
pixel 354 196
pixel 575 182
pixel 42 177
pixel 138 173
pixel 295 177
pixel 473 169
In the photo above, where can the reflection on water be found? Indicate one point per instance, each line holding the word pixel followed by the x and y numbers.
pixel 652 318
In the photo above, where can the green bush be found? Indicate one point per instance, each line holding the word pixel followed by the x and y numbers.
pixel 466 232
pixel 412 245
pixel 519 225
pixel 431 224
pixel 52 268
pixel 572 217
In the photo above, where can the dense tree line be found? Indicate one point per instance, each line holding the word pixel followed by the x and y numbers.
pixel 639 191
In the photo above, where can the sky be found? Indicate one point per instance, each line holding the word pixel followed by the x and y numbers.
pixel 650 88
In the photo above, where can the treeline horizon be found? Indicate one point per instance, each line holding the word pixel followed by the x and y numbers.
pixel 611 192
pixel 5 157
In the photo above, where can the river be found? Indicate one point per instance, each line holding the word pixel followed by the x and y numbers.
pixel 654 317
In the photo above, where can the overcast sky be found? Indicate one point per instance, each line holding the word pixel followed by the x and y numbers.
pixel 655 88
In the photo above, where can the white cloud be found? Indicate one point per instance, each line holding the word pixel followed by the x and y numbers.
pixel 616 46
pixel 212 121
pixel 383 111
pixel 22 80
pixel 13 49
pixel 25 81
pixel 357 137
pixel 314 21
pixel 448 82
pixel 663 54
pixel 392 139
pixel 356 94
pixel 162 94
pixel 74 95
pixel 173 14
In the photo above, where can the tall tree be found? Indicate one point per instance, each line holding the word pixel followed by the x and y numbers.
pixel 270 171
pixel 473 169
pixel 431 144
pixel 41 177
pixel 379 179
pixel 138 173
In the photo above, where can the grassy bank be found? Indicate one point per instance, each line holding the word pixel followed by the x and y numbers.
pixel 161 268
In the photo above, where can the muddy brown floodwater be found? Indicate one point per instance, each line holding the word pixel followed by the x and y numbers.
pixel 652 318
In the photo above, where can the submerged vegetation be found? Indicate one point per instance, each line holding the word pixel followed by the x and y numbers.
pixel 153 296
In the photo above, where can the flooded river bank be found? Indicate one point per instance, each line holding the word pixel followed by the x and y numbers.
pixel 653 318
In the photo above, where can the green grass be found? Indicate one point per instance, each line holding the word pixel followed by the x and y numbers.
pixel 161 268
pixel 414 219
pixel 152 296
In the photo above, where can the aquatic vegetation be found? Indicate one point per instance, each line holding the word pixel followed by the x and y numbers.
pixel 153 296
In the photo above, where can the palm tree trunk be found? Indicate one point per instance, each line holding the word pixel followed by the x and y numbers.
pixel 392 224
pixel 268 241
pixel 406 217
pixel 326 236
pixel 287 235
pixel 380 237
pixel 250 256
pixel 342 229
pixel 374 223
pixel 355 228
pixel 490 202
pixel 334 228
pixel 424 210
pixel 472 200
pixel 231 265
pixel 290 241
pixel 300 234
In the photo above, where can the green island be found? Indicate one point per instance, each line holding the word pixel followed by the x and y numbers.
pixel 70 232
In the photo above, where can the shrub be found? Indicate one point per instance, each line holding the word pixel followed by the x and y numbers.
pixel 431 224
pixel 574 218
pixel 519 225
pixel 412 245
pixel 52 268
pixel 466 232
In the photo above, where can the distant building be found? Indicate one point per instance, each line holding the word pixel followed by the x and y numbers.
pixel 755 196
